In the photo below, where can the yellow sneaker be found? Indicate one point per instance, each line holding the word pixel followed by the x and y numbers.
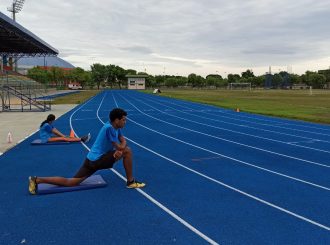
pixel 33 186
pixel 135 184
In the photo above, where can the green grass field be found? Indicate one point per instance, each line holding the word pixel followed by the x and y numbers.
pixel 76 98
pixel 295 104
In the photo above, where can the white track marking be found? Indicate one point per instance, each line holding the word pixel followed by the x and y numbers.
pixel 233 188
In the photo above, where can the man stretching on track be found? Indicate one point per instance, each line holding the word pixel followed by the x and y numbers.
pixel 108 148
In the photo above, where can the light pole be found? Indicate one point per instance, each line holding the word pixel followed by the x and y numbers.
pixel 16 7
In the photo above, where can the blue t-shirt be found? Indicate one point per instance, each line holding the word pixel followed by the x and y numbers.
pixel 45 132
pixel 103 142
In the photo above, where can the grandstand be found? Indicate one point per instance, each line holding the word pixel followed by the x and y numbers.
pixel 19 93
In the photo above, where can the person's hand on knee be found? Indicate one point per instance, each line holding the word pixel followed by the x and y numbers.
pixel 118 154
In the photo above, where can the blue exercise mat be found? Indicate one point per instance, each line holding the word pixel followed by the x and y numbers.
pixel 39 142
pixel 94 181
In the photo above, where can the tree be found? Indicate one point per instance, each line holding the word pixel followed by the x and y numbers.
pixel 196 81
pixel 214 80
pixel 217 76
pixel 98 74
pixel 257 81
pixel 326 73
pixel 295 79
pixel 314 79
pixel 79 75
pixel 192 79
pixel 39 75
pixel 151 82
pixel 211 81
pixel 171 81
pixel 110 74
pixel 160 80
pixel 57 76
pixel 247 74
pixel 222 83
pixel 277 80
pixel 87 79
pixel 182 81
pixel 233 78
pixel 131 72
pixel 120 75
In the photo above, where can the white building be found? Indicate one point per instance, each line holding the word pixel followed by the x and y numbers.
pixel 136 81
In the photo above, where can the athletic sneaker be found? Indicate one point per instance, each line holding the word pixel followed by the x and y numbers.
pixel 86 138
pixel 33 186
pixel 135 184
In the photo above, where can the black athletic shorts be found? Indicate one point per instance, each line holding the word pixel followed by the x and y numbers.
pixel 89 167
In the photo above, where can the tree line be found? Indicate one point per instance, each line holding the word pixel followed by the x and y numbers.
pixel 101 76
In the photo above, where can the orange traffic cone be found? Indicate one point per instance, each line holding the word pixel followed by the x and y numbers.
pixel 237 109
pixel 9 138
pixel 71 134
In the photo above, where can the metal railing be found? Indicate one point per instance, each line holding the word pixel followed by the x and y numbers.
pixel 22 95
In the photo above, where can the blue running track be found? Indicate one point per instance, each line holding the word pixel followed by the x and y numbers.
pixel 213 176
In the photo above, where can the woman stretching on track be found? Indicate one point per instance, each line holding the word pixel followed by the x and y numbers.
pixel 47 132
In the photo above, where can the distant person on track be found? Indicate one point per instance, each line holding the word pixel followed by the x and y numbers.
pixel 109 147
pixel 48 133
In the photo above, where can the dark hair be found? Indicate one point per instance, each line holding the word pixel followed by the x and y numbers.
pixel 117 113
pixel 50 118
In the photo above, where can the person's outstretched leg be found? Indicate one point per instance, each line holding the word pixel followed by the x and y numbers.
pixel 84 139
pixel 60 181
pixel 63 139
pixel 84 172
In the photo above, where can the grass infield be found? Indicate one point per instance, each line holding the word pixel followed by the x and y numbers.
pixel 294 104
pixel 75 98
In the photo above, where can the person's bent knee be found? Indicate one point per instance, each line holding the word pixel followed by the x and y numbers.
pixel 127 151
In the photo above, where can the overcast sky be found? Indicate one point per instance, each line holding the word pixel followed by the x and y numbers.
pixel 183 37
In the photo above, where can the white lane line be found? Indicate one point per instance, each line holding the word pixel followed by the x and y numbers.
pixel 229 130
pixel 154 201
pixel 175 216
pixel 234 159
pixel 233 188
pixel 247 117
pixel 242 125
pixel 212 136
pixel 83 119
pixel 276 126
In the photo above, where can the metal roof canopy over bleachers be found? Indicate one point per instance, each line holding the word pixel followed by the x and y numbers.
pixel 16 41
